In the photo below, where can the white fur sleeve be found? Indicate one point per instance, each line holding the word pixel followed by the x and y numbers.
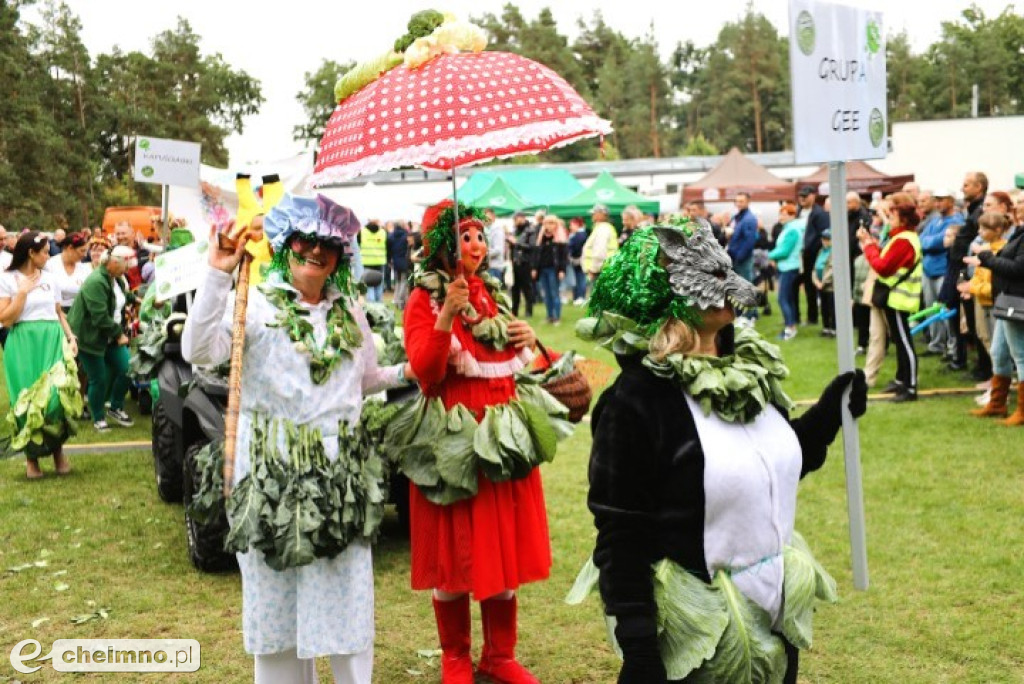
pixel 375 378
pixel 206 339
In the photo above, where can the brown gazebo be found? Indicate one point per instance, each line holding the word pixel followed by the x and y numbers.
pixel 861 177
pixel 737 173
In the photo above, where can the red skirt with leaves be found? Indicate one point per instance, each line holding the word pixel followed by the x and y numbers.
pixel 498 539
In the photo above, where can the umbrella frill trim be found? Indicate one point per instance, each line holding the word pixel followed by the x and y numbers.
pixel 438 155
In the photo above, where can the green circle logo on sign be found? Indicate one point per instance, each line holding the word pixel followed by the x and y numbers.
pixel 144 144
pixel 161 262
pixel 203 246
pixel 805 32
pixel 874 37
pixel 147 171
pixel 876 127
pixel 164 288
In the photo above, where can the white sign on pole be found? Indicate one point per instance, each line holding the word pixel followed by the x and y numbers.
pixel 181 270
pixel 167 162
pixel 837 65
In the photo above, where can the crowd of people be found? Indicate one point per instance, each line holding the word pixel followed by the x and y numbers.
pixel 89 279
pixel 540 257
pixel 911 251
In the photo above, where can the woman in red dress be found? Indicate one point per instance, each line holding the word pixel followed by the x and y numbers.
pixel 465 347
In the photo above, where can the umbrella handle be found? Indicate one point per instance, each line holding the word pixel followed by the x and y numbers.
pixel 235 376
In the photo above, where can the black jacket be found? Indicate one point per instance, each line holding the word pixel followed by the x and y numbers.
pixel 1007 267
pixel 957 251
pixel 965 236
pixel 398 249
pixel 817 222
pixel 525 245
pixel 647 487
pixel 550 254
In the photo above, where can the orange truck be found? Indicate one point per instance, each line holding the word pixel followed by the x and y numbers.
pixel 143 219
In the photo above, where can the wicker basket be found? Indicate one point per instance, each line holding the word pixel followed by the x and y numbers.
pixel 571 389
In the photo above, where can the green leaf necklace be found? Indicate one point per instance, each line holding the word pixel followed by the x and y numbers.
pixel 736 387
pixel 492 330
pixel 343 334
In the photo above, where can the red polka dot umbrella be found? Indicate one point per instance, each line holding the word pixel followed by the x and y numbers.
pixel 455 110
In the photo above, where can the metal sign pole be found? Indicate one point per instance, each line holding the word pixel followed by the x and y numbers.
pixel 841 250
pixel 165 201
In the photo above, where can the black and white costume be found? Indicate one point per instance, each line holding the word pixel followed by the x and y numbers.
pixel 669 482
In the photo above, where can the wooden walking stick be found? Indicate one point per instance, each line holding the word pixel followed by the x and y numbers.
pixel 235 376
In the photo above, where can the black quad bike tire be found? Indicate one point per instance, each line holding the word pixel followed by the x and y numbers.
pixel 205 540
pixel 166 455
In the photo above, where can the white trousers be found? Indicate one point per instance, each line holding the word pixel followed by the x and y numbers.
pixel 287 668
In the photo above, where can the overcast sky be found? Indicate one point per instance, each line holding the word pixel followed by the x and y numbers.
pixel 278 42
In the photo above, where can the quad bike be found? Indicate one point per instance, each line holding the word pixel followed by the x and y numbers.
pixel 188 416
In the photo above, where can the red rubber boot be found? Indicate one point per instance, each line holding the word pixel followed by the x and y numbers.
pixel 498 660
pixel 454 630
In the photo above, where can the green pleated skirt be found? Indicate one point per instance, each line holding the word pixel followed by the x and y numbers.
pixel 42 383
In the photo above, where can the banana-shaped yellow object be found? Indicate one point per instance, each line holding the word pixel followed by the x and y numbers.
pixel 249 207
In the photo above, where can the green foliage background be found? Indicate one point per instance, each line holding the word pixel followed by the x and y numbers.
pixel 68 118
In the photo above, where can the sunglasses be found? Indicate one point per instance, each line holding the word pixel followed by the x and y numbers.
pixel 308 242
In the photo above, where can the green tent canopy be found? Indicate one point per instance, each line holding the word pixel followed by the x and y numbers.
pixel 500 197
pixel 1018 180
pixel 607 191
pixel 535 186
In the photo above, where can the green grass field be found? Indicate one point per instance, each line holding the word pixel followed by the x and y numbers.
pixel 944 507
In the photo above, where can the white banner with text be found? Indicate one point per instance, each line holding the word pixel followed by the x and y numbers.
pixel 837 71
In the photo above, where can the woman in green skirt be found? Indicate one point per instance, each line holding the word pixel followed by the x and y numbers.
pixel 39 360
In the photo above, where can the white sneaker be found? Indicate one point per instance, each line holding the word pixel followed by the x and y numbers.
pixel 120 417
pixel 101 426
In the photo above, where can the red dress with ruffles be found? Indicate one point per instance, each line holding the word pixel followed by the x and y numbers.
pixel 498 539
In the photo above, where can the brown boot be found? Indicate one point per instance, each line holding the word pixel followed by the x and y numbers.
pixel 454 630
pixel 998 395
pixel 1018 416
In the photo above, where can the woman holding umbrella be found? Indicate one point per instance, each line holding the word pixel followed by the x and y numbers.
pixel 478 522
pixel 311 361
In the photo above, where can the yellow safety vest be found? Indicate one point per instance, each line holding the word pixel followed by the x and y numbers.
pixel 588 248
pixel 907 295
pixel 373 246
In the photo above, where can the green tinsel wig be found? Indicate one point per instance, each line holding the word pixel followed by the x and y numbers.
pixel 634 283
